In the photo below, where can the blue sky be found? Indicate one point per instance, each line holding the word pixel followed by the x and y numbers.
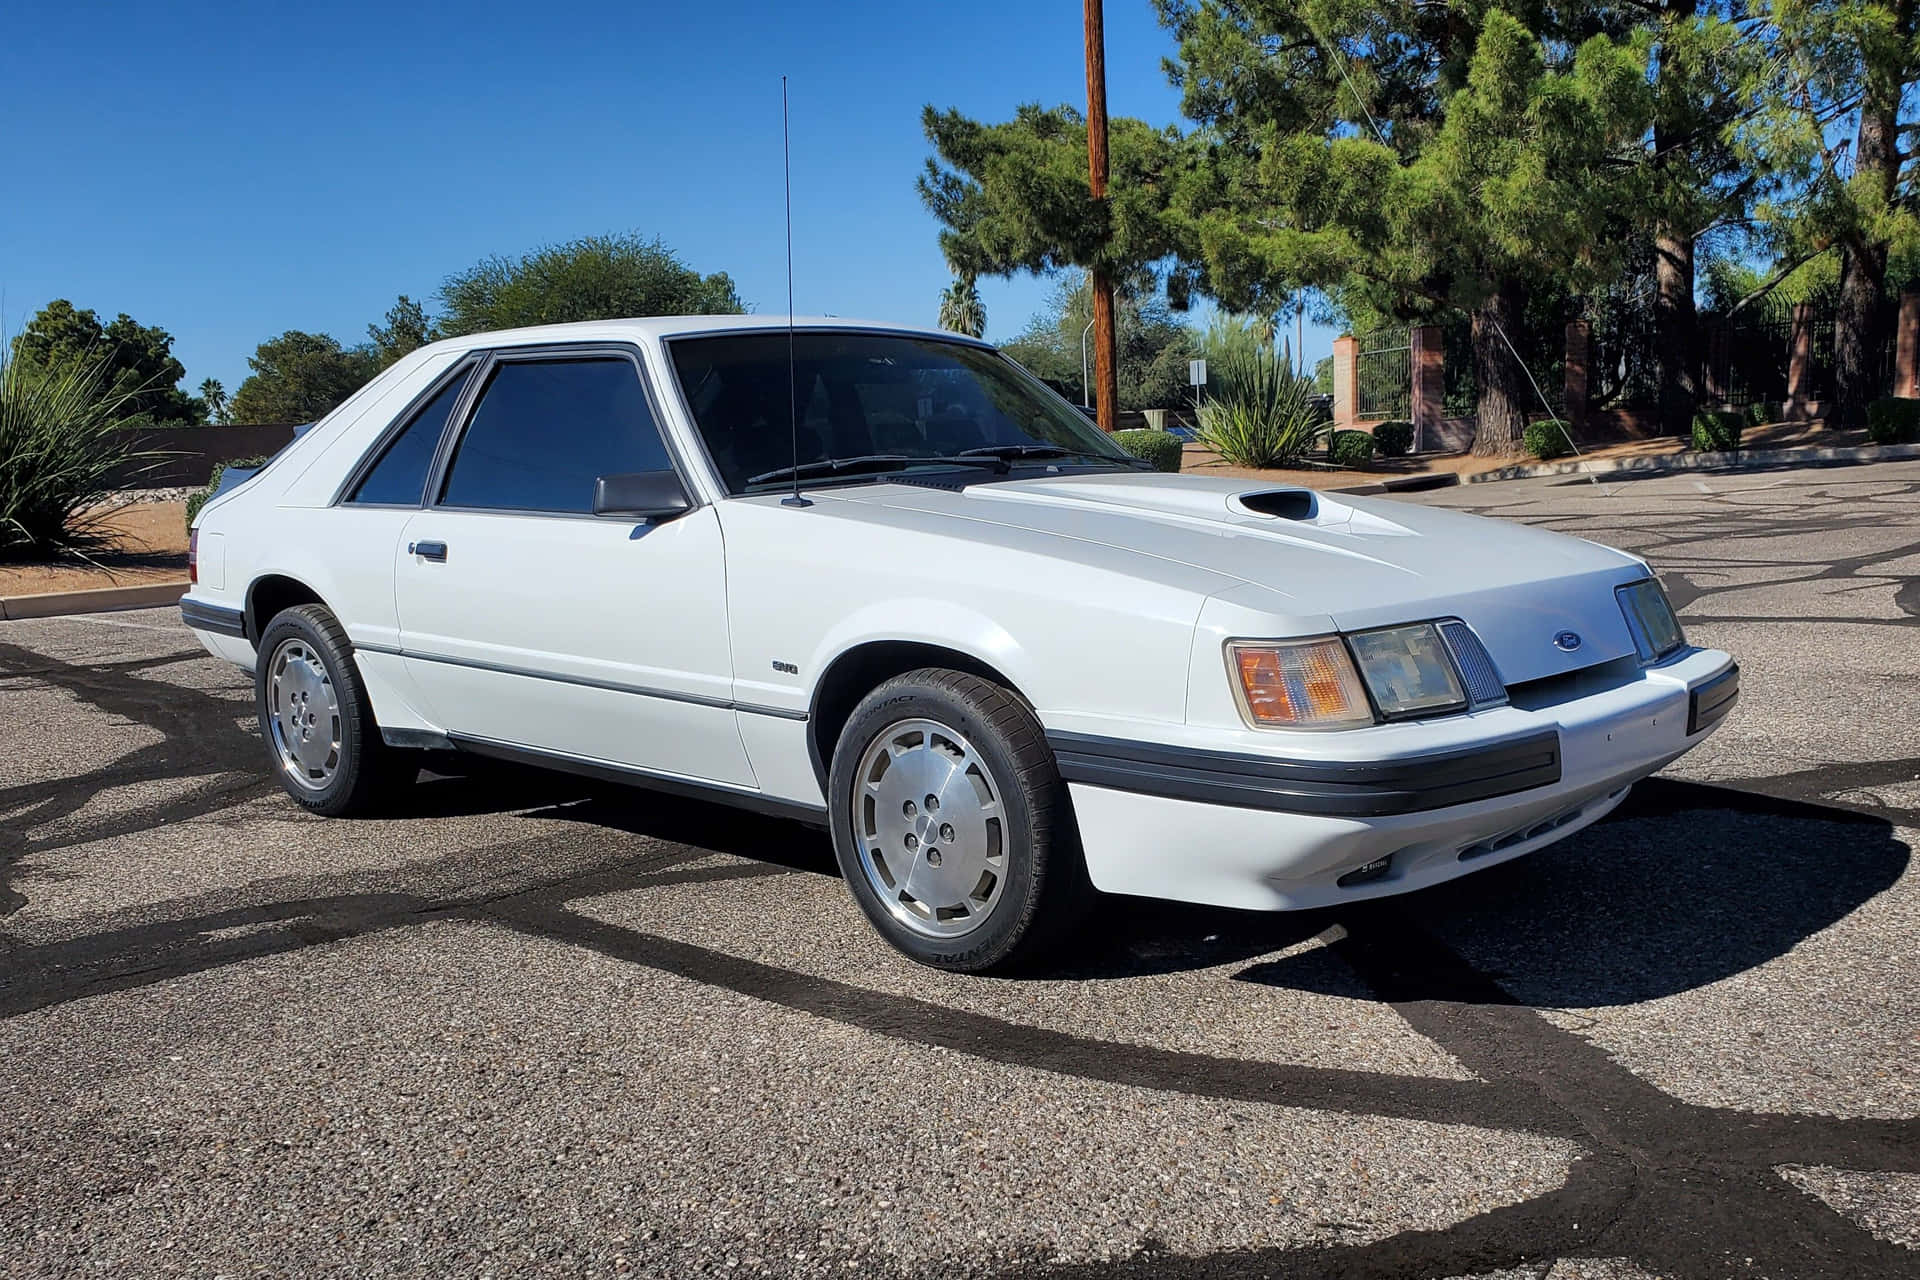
pixel 232 171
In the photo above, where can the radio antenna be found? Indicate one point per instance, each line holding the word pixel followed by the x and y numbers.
pixel 793 387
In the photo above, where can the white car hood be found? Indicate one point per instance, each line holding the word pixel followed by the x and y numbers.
pixel 1360 562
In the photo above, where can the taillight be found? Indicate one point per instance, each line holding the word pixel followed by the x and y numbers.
pixel 193 557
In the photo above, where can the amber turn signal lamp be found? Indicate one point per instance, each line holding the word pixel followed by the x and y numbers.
pixel 1298 684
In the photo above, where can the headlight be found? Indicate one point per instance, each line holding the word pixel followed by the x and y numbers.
pixel 1408 671
pixel 1297 684
pixel 1656 632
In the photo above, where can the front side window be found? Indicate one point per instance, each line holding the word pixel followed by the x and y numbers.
pixel 865 395
pixel 544 430
pixel 400 477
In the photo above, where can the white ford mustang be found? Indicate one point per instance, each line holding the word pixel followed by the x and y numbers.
pixel 1004 665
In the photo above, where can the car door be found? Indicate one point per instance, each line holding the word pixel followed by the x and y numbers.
pixel 526 620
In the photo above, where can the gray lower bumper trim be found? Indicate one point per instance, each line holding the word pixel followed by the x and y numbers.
pixel 1361 789
pixel 219 619
pixel 1710 700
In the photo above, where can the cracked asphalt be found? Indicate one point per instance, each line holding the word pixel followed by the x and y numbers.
pixel 535 1026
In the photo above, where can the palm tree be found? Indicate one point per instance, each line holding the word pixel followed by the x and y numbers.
pixel 216 397
pixel 961 310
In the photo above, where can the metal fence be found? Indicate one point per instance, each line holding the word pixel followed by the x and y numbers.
pixel 1623 365
pixel 1747 360
pixel 1383 371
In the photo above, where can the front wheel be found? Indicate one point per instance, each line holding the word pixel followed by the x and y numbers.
pixel 951 825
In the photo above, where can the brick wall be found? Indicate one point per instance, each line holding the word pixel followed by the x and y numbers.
pixel 189 454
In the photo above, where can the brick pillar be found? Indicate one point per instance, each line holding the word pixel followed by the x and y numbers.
pixel 1574 387
pixel 1800 365
pixel 1429 400
pixel 1346 381
pixel 1906 348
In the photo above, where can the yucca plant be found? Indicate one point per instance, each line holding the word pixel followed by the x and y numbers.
pixel 63 439
pixel 1258 412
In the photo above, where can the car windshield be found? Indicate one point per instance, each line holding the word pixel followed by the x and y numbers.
pixel 873 405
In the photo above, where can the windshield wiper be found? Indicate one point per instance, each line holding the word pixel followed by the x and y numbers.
pixel 1017 451
pixel 1024 451
pixel 873 462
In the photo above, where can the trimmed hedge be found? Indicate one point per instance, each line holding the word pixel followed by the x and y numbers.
pixel 1717 431
pixel 1893 421
pixel 1350 449
pixel 1547 439
pixel 198 500
pixel 1763 412
pixel 1393 439
pixel 1161 448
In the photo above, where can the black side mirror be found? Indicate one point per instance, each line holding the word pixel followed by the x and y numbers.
pixel 654 496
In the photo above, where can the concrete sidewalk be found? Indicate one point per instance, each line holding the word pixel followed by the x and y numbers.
pixel 1738 460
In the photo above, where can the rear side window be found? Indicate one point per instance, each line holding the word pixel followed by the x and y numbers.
pixel 545 429
pixel 401 474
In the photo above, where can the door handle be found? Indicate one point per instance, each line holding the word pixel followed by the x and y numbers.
pixel 428 550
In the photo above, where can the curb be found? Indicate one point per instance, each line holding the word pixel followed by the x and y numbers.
pixel 1415 483
pixel 55 604
pixel 1743 460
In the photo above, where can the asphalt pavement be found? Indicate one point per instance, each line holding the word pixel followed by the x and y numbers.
pixel 534 1026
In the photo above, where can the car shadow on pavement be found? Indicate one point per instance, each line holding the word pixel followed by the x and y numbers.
pixel 1685 885
pixel 479 785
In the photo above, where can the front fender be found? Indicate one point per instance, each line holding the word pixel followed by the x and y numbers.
pixel 909 619
pixel 1080 641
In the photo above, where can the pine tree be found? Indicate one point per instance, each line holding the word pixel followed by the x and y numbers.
pixel 1418 156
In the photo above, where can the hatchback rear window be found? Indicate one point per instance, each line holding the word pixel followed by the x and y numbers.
pixel 400 476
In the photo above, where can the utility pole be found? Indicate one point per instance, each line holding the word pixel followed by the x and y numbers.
pixel 1105 376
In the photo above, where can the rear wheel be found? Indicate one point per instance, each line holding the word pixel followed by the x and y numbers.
pixel 951 824
pixel 317 722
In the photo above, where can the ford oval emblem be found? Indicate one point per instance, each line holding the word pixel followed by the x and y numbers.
pixel 1567 641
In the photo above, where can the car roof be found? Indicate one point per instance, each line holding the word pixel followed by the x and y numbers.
pixel 656 327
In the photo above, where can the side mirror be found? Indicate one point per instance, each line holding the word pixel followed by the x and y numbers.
pixel 654 496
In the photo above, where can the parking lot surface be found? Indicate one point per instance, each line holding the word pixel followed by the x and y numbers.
pixel 531 1025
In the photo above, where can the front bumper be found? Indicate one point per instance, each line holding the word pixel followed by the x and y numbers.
pixel 1240 829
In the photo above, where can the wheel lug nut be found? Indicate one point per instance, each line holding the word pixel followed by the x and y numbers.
pixel 910 809
pixel 946 832
pixel 913 841
pixel 933 857
pixel 933 804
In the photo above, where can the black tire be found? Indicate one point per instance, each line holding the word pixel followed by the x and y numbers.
pixel 366 775
pixel 1045 891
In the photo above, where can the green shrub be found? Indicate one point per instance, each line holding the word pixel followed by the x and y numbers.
pixel 1393 439
pixel 63 444
pixel 1547 439
pixel 1258 413
pixel 1893 421
pixel 1716 431
pixel 1350 449
pixel 1762 412
pixel 1161 448
pixel 198 500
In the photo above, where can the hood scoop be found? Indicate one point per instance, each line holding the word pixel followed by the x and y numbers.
pixel 1283 504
